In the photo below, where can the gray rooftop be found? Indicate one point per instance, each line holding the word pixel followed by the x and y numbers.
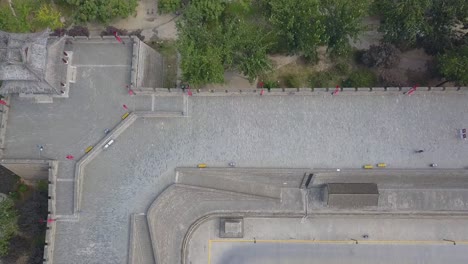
pixel 31 63
pixel 352 195
pixel 352 188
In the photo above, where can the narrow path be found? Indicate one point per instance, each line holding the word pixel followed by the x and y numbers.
pixel 11 7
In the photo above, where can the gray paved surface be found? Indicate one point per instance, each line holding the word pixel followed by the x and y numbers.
pixel 287 131
pixel 254 132
pixel 327 229
pixel 279 253
pixel 68 126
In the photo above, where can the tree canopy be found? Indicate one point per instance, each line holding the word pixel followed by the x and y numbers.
pixel 453 65
pixel 342 20
pixel 30 16
pixel 101 10
pixel 430 23
pixel 210 43
pixel 299 25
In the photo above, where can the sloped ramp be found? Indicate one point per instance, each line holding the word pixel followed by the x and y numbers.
pixel 141 251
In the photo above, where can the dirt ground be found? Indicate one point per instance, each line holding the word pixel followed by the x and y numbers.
pixel 146 18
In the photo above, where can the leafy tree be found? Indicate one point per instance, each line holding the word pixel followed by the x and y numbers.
pixel 202 57
pixel 47 16
pixel 442 17
pixel 403 20
pixel 168 6
pixel 8 224
pixel 209 44
pixel 342 20
pixel 102 10
pixel 246 48
pixel 453 65
pixel 385 55
pixel 211 9
pixel 299 25
pixel 30 16
pixel 201 66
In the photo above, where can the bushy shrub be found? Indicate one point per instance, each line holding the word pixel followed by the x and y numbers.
pixel 385 55
pixel 323 79
pixel 269 84
pixel 361 78
pixel 8 224
pixel 168 6
pixel 110 31
pixel 342 68
pixel 78 31
pixel 22 188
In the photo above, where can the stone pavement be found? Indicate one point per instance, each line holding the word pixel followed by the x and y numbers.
pixel 329 240
pixel 254 131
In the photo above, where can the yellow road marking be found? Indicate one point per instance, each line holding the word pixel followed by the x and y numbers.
pixel 209 251
pixel 379 242
pixel 365 242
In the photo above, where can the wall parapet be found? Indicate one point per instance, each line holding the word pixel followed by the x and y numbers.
pixel 51 225
pixel 306 91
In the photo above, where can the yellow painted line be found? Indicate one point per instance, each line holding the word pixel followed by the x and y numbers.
pixel 369 242
pixel 365 242
pixel 209 252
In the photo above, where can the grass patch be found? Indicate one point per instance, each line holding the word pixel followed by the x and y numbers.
pixel 361 78
pixel 168 50
pixel 324 79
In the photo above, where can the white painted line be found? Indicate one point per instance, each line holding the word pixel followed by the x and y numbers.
pixel 65 180
pixel 152 102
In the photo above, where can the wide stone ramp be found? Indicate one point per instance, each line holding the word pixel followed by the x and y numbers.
pixel 261 182
pixel 141 251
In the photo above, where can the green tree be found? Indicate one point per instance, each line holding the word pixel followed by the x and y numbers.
pixel 453 65
pixel 30 16
pixel 47 16
pixel 211 44
pixel 202 55
pixel 8 224
pixel 168 6
pixel 299 25
pixel 102 10
pixel 210 9
pixel 343 21
pixel 403 21
pixel 442 18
